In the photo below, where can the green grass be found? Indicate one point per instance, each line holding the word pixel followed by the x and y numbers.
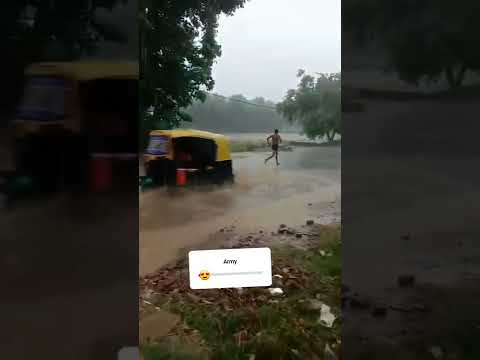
pixel 172 349
pixel 247 145
pixel 254 145
pixel 287 329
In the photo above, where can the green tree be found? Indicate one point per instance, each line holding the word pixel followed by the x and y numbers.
pixel 424 41
pixel 48 30
pixel 315 105
pixel 59 30
pixel 178 40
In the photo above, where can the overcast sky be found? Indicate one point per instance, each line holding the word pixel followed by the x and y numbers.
pixel 266 42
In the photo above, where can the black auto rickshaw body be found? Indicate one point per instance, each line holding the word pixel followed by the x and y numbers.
pixel 205 156
pixel 73 115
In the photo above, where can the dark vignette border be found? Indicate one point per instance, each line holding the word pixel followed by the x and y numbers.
pixel 410 209
pixel 69 261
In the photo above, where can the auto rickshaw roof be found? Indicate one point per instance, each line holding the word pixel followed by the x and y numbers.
pixel 179 133
pixel 223 148
pixel 86 70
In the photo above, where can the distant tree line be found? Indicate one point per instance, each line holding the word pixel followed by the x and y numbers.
pixel 235 114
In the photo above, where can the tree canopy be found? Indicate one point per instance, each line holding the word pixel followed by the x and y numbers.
pixel 315 105
pixel 235 114
pixel 178 50
pixel 60 30
pixel 47 30
pixel 424 40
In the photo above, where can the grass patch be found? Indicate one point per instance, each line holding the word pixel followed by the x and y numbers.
pixel 247 145
pixel 172 349
pixel 237 326
pixel 237 146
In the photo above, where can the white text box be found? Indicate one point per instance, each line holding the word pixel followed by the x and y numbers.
pixel 230 268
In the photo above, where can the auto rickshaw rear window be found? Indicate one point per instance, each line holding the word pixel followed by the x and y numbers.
pixel 158 145
pixel 43 99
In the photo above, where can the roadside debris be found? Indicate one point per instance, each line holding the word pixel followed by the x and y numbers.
pixel 314 305
pixel 277 281
pixel 295 352
pixel 401 308
pixel 420 308
pixel 329 354
pixel 310 222
pixel 359 302
pixel 157 325
pixel 406 308
pixel 148 295
pixel 406 280
pixel 436 352
pixel 327 318
pixel 379 311
pixel 275 291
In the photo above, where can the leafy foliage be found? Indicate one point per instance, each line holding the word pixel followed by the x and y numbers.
pixel 424 40
pixel 315 105
pixel 178 51
pixel 60 30
pixel 231 115
pixel 46 30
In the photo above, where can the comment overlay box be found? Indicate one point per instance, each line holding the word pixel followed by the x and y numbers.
pixel 230 268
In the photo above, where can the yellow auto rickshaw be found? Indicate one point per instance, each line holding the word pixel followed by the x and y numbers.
pixel 74 113
pixel 203 155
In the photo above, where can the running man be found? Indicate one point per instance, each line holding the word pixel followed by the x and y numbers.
pixel 275 142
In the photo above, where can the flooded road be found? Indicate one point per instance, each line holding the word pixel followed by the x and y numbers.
pixel 305 185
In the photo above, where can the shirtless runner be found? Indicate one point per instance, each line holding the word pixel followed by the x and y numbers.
pixel 275 142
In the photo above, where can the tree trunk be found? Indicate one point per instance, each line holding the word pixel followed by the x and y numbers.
pixel 330 136
pixel 455 80
pixel 460 76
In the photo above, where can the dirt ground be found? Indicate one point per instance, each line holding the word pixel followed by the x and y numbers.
pixel 431 239
pixel 411 208
pixel 66 262
pixel 306 268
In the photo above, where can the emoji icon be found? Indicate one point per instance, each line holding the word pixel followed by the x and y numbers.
pixel 204 275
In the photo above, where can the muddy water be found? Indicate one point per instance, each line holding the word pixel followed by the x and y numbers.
pixel 305 185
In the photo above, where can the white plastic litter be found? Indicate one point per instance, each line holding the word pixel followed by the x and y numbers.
pixel 326 317
pixel 275 291
pixel 436 352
